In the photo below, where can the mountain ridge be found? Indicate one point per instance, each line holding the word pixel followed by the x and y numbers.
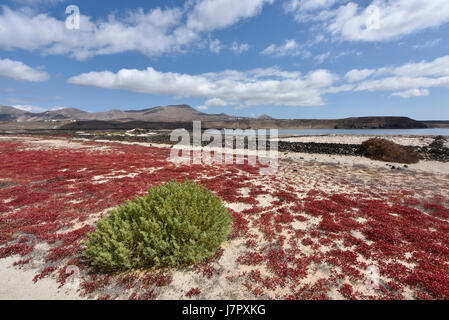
pixel 185 113
pixel 171 113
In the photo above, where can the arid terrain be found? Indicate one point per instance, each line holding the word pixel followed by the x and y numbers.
pixel 320 228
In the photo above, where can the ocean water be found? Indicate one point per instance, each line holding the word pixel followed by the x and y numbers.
pixel 379 132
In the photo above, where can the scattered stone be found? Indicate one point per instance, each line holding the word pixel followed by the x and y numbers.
pixel 436 150
pixel 321 148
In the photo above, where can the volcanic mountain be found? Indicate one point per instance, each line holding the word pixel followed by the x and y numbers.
pixel 172 113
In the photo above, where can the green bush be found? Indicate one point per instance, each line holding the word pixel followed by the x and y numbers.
pixel 175 224
pixel 386 150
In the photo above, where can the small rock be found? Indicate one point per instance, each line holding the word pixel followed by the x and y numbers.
pixel 393 167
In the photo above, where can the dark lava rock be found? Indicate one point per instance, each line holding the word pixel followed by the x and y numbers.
pixel 435 151
pixel 321 148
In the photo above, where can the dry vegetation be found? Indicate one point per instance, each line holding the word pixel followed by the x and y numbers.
pixel 386 150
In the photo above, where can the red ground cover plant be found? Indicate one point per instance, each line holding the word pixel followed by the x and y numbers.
pixel 312 243
pixel 193 292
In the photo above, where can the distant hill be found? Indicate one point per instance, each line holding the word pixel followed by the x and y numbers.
pixel 185 114
pixel 10 114
pixel 349 123
pixel 380 123
pixel 264 117
pixel 157 114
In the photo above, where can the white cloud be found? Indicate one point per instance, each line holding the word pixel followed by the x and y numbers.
pixel 273 86
pixel 427 44
pixel 290 47
pixel 386 20
pixel 216 102
pixel 412 93
pixel 17 70
pixel 356 75
pixel 319 59
pixel 255 87
pixel 409 80
pixel 375 20
pixel 438 67
pixel 29 108
pixel 308 5
pixel 151 33
pixel 215 46
pixel 310 10
pixel 209 15
pixel 38 2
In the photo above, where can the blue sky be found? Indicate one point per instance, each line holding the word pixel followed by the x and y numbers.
pixel 284 58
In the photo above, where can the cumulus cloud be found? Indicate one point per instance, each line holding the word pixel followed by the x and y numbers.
pixel 356 75
pixel 438 67
pixel 17 70
pixel 409 80
pixel 385 20
pixel 412 93
pixel 289 48
pixel 253 87
pixel 208 15
pixel 151 32
pixel 376 20
pixel 216 102
pixel 273 86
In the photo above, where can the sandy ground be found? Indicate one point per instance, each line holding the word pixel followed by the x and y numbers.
pixel 17 283
pixel 434 167
pixel 418 141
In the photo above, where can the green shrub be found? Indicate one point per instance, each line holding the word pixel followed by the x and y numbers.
pixel 175 224
pixel 386 150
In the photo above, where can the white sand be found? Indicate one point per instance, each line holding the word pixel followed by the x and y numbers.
pixel 418 141
pixel 17 284
pixel 433 167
